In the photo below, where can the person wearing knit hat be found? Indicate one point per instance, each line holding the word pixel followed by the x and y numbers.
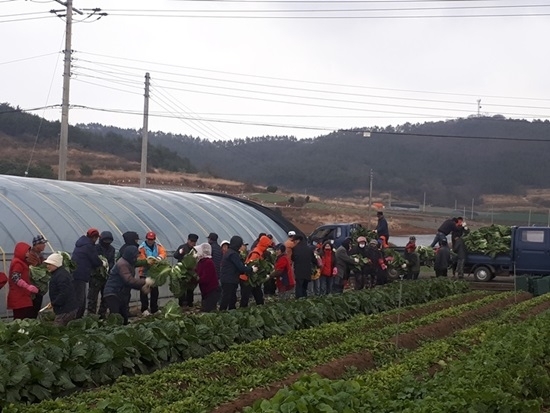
pixel 86 259
pixel 61 291
pixel 35 258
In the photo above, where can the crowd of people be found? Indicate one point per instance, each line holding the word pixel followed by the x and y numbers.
pixel 223 270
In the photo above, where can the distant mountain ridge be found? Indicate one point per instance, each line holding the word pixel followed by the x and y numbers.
pixel 404 162
pixel 445 167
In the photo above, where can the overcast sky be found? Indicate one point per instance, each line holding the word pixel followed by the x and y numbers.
pixel 313 74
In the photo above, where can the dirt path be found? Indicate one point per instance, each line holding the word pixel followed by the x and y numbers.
pixel 364 360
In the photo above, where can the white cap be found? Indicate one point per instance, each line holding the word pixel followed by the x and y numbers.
pixel 55 259
pixel 224 242
pixel 291 233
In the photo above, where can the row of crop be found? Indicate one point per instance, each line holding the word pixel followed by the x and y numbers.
pixel 493 366
pixel 196 385
pixel 41 361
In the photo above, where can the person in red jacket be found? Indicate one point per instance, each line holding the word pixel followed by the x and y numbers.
pixel 283 274
pixel 21 290
pixel 208 279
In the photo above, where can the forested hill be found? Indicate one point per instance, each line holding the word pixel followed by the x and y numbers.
pixel 25 127
pixel 444 167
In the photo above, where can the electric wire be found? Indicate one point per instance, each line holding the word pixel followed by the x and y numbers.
pixel 28 58
pixel 207 120
pixel 44 111
pixel 187 119
pixel 352 101
pixel 320 91
pixel 186 110
pixel 312 82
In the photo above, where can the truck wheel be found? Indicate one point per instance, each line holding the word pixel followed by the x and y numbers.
pixel 483 274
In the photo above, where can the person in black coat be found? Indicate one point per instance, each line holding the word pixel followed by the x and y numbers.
pixel 122 280
pixel 445 229
pixel 216 251
pixel 231 268
pixel 130 238
pixel 304 263
pixel 442 259
pixel 61 290
pixel 382 229
pixel 187 299
pixel 104 248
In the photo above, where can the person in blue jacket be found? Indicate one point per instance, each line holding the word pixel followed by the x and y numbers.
pixel 86 259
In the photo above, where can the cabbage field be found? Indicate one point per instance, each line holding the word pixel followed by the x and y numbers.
pixel 419 346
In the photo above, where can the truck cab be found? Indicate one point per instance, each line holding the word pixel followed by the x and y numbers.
pixel 336 233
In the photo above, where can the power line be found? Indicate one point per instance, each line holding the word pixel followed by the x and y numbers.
pixel 5 112
pixel 27 19
pixel 28 58
pixel 317 90
pixel 190 16
pixel 207 120
pixel 309 81
pixel 445 8
pixel 203 128
pixel 187 110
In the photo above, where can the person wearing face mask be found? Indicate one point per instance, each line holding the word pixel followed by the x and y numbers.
pixel 328 268
pixel 360 275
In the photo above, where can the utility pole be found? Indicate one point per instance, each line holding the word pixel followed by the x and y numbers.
pixel 370 197
pixel 472 212
pixel 144 134
pixel 478 108
pixel 64 136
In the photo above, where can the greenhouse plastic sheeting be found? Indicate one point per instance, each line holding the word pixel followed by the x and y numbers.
pixel 62 211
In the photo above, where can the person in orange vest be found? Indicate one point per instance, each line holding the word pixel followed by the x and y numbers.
pixel 150 248
pixel 246 289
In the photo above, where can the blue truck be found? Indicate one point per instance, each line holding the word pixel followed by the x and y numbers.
pixel 529 254
pixel 336 233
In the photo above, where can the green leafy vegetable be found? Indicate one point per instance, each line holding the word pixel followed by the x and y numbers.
pixel 40 278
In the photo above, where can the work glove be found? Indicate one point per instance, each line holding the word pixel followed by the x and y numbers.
pixel 106 265
pixel 145 289
pixel 254 269
pixel 149 282
pixel 29 287
pixel 404 266
pixel 180 251
pixel 356 260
